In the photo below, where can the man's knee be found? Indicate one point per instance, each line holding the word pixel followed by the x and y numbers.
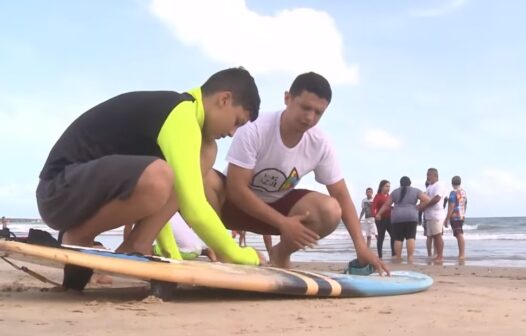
pixel 214 182
pixel 332 210
pixel 329 215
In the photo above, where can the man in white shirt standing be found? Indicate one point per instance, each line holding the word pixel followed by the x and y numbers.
pixel 268 158
pixel 369 225
pixel 434 212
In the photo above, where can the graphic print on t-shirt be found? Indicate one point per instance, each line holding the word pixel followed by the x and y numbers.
pixel 272 180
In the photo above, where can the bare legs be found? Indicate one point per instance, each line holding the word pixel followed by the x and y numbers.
pixel 439 247
pixel 324 216
pixel 267 239
pixel 461 246
pixel 150 206
pixel 398 249
pixel 429 246
pixel 410 246
pixel 369 241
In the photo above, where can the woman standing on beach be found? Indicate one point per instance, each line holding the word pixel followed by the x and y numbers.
pixel 404 216
pixel 383 222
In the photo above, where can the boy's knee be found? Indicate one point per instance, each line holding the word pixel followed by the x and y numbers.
pixel 156 183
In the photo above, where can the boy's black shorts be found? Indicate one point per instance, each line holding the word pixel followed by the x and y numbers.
pixel 77 192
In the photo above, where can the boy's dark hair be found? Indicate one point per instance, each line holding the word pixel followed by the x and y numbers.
pixel 368 188
pixel 240 83
pixel 456 180
pixel 311 82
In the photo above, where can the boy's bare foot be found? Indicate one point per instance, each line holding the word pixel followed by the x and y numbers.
pixel 70 238
pixel 101 279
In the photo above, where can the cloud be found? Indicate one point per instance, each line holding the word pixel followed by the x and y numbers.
pixel 291 41
pixel 439 11
pixel 380 139
pixel 503 181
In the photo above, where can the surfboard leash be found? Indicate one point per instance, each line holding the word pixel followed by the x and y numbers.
pixel 32 273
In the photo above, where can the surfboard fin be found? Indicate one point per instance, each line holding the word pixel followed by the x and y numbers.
pixel 76 277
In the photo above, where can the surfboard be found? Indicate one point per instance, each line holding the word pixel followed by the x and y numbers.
pixel 219 275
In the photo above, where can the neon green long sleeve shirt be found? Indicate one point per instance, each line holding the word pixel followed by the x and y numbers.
pixel 180 142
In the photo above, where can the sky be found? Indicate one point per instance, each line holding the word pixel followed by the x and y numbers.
pixel 416 84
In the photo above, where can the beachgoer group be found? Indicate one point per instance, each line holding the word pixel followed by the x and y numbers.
pixel 400 212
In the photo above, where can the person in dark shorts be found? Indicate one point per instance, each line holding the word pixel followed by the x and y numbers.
pixel 404 215
pixel 137 159
pixel 268 158
pixel 458 202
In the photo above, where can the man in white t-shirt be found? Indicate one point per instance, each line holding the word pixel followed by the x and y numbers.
pixel 369 225
pixel 268 158
pixel 434 212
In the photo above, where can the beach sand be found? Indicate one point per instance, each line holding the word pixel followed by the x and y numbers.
pixel 464 300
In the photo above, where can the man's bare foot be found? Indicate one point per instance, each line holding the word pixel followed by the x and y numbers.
pixel 277 260
pixel 438 259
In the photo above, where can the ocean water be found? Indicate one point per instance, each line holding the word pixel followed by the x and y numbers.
pixel 495 241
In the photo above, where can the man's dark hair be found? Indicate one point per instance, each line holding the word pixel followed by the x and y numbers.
pixel 433 170
pixel 240 83
pixel 311 82
pixel 369 188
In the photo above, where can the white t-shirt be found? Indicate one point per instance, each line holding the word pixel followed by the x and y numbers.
pixel 278 169
pixel 436 212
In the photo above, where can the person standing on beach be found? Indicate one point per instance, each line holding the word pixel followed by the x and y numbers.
pixel 4 223
pixel 429 240
pixel 268 158
pixel 383 221
pixel 458 202
pixel 404 215
pixel 434 212
pixel 136 158
pixel 369 225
